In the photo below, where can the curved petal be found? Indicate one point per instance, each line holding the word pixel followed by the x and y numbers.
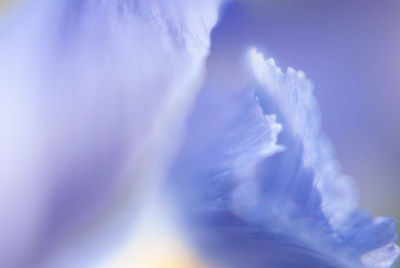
pixel 288 207
pixel 91 90
pixel 293 95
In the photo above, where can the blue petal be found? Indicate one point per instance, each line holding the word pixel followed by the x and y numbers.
pixel 291 206
pixel 293 95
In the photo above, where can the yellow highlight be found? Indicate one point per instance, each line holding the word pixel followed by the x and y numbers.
pixel 164 254
pixel 177 262
pixel 6 4
pixel 157 242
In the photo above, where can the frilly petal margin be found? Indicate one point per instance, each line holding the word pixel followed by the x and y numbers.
pixel 227 133
pixel 289 207
pixel 292 92
pixel 372 240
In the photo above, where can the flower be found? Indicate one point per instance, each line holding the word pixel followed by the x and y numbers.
pixel 258 183
pixel 114 153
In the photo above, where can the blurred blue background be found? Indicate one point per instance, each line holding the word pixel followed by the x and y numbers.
pixel 351 52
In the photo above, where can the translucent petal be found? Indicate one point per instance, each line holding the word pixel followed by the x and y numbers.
pixel 278 210
pixel 93 89
pixel 293 95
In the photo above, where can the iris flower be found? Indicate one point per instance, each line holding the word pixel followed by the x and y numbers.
pixel 117 152
pixel 260 185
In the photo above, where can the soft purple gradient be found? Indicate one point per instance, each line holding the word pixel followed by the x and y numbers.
pixel 72 139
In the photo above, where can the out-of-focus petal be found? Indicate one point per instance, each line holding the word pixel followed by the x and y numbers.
pixel 93 95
